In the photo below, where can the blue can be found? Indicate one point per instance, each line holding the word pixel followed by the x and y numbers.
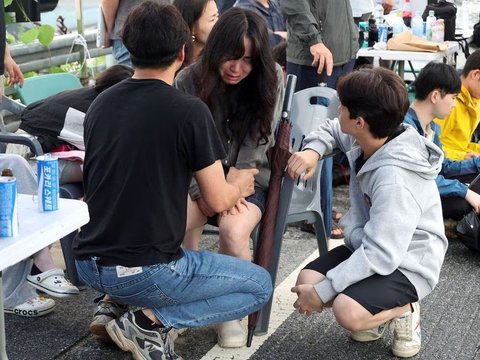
pixel 382 32
pixel 48 182
pixel 8 206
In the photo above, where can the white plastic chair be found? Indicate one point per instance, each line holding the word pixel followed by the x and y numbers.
pixel 299 199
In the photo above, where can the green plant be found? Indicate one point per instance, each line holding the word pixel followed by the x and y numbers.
pixel 43 33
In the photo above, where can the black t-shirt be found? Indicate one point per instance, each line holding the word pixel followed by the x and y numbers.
pixel 143 140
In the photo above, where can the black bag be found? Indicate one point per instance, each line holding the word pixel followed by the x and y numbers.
pixel 446 11
pixel 468 231
pixel 476 34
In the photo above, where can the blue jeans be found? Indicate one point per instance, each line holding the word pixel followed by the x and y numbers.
pixel 199 289
pixel 307 76
pixel 120 53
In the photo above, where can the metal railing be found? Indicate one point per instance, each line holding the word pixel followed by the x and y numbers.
pixel 35 56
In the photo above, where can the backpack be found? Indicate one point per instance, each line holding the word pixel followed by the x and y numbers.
pixel 468 231
pixel 476 34
pixel 446 11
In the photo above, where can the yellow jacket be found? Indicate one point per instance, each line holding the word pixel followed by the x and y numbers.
pixel 458 127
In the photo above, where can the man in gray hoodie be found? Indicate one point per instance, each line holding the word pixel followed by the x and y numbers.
pixel 394 234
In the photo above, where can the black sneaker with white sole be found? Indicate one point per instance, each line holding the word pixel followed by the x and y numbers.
pixel 143 344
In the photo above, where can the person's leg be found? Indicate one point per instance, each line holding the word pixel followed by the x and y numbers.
pixel 454 207
pixel 235 230
pixel 195 224
pixel 121 53
pixel 70 172
pixel 366 309
pixel 47 278
pixel 199 289
pixel 338 71
pixel 19 297
pixel 307 76
pixel 234 240
pixel 26 179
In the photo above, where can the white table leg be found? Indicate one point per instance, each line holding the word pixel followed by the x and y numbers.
pixel 3 345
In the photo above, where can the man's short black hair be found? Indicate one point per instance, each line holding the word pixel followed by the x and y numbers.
pixel 377 95
pixel 472 63
pixel 436 76
pixel 154 33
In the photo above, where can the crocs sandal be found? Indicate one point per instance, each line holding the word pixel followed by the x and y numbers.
pixel 35 307
pixel 53 283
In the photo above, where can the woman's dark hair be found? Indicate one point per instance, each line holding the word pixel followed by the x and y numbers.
pixel 154 34
pixel 436 76
pixel 378 95
pixel 111 76
pixel 248 105
pixel 191 11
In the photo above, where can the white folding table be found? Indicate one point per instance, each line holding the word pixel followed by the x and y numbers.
pixel 409 56
pixel 36 231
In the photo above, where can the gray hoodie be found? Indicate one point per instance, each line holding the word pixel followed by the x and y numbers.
pixel 395 220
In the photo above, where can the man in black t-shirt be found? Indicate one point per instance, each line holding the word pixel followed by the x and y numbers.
pixel 144 141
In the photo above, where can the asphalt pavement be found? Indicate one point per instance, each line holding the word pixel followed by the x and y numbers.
pixel 450 319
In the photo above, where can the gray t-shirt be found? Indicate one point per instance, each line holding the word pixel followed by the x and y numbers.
pixel 124 7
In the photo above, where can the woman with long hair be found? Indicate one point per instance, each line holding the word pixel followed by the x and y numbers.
pixel 238 79
pixel 200 16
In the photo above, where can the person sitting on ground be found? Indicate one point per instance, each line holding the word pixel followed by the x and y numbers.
pixel 20 297
pixel 459 126
pixel 131 248
pixel 394 232
pixel 200 16
pixel 57 121
pixel 239 81
pixel 270 11
pixel 436 88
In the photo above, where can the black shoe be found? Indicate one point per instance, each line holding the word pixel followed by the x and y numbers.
pixel 309 228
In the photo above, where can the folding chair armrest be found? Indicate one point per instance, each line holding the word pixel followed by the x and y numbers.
pixel 29 141
pixel 11 105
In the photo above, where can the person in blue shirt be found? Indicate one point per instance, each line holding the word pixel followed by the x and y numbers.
pixel 436 88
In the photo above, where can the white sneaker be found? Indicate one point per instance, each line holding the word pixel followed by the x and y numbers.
pixel 35 307
pixel 231 334
pixel 53 283
pixel 369 335
pixel 407 334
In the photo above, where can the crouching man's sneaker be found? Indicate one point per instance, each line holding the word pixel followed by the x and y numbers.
pixel 105 312
pixel 407 335
pixel 143 344
pixel 369 335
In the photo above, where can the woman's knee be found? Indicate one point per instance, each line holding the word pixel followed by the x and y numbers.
pixel 349 313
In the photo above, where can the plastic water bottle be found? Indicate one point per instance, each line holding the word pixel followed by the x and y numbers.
pixel 378 13
pixel 429 24
pixel 398 25
pixel 438 31
pixel 417 25
pixel 407 13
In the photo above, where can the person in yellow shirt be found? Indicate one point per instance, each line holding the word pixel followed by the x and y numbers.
pixel 458 127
